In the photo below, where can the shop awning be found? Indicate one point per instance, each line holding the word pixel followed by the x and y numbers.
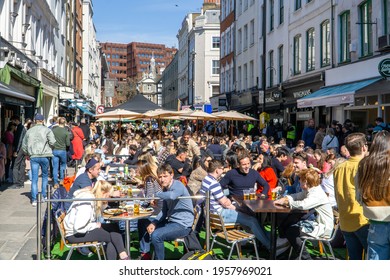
pixel 12 92
pixel 85 111
pixel 334 95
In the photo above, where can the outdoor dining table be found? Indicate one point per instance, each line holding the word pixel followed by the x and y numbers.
pixel 127 219
pixel 260 205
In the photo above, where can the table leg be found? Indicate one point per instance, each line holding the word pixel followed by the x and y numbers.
pixel 127 231
pixel 273 236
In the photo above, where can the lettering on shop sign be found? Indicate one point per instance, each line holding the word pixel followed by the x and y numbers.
pixel 302 93
pixel 384 68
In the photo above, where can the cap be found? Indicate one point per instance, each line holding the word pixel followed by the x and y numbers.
pixel 91 163
pixel 39 117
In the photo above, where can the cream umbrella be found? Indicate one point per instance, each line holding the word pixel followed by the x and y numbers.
pixel 196 115
pixel 117 115
pixel 233 116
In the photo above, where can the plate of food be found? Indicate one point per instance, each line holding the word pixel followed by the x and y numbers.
pixel 146 210
pixel 113 211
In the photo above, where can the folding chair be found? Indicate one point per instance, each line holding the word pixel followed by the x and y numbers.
pixel 60 217
pixel 233 237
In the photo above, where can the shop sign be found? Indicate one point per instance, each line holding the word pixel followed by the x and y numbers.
pixel 301 93
pixel 384 68
pixel 304 116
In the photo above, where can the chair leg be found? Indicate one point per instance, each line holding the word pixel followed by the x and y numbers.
pixel 104 252
pixel 69 253
pixel 256 252
pixel 239 252
pixel 302 248
pixel 98 252
pixel 331 250
pixel 231 251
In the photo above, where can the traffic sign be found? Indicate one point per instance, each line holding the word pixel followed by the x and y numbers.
pixel 100 109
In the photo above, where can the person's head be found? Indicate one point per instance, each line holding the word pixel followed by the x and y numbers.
pixel 215 167
pixel 373 171
pixel 93 168
pixel 300 146
pixel 310 123
pixel 15 119
pixel 344 152
pixel 39 118
pixel 205 161
pixel 378 120
pixel 186 136
pixel 244 163
pixel 132 149
pixel 264 160
pixel 330 131
pixel 231 159
pixel 83 121
pixel 182 153
pixel 61 121
pixel 356 144
pixel 11 127
pixel 145 170
pixel 281 154
pixel 321 127
pixel 165 175
pixel 148 157
pixel 299 161
pixel 309 178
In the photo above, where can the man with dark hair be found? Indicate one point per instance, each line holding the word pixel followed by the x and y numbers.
pixel 134 152
pixel 276 161
pixel 300 160
pixel 380 125
pixel 59 151
pixel 353 224
pixel 18 156
pixel 309 133
pixel 180 163
pixel 243 178
pixel 177 215
pixel 189 143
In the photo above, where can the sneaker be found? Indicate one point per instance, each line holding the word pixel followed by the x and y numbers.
pixel 34 204
pixel 85 251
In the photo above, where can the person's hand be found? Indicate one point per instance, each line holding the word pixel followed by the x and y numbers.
pixel 151 228
pixel 282 201
pixel 116 193
pixel 98 225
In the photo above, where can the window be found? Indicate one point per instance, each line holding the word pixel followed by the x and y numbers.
pixel 216 42
pixel 271 15
pixel 252 31
pixel 366 28
pixel 239 47
pixel 245 74
pixel 245 37
pixel 298 4
pixel 386 15
pixel 297 54
pixel 215 90
pixel 345 36
pixel 245 5
pixel 280 61
pixel 271 69
pixel 281 11
pixel 325 43
pixel 215 66
pixel 251 74
pixel 310 37
pixel 239 79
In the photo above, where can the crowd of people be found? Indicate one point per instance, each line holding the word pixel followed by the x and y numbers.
pixel 330 169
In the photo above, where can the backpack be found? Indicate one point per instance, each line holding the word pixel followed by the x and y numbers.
pixel 199 255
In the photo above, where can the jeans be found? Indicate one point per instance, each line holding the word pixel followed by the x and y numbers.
pixel 59 163
pixel 356 242
pixel 37 162
pixel 233 216
pixel 166 232
pixel 378 241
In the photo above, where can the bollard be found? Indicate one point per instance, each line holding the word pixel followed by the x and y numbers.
pixel 48 222
pixel 39 201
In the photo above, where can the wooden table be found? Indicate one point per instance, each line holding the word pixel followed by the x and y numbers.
pixel 268 206
pixel 127 220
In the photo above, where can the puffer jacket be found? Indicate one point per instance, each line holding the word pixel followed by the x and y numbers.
pixel 80 217
pixel 38 141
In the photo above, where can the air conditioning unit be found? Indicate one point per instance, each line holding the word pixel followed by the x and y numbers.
pixel 384 42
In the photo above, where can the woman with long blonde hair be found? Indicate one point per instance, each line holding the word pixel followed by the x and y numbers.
pixel 82 221
pixel 373 192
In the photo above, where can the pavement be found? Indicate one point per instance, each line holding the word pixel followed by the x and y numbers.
pixel 18 222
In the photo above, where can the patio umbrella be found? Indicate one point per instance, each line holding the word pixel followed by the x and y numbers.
pixel 117 114
pixel 196 115
pixel 233 116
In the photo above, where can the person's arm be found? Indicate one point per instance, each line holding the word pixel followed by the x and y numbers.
pixel 226 203
pixel 51 138
pixel 262 183
pixel 171 194
pixel 305 200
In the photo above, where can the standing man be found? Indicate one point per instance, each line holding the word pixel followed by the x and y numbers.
pixel 59 152
pixel 18 156
pixel 177 215
pixel 37 145
pixel 309 133
pixel 353 224
pixel 190 144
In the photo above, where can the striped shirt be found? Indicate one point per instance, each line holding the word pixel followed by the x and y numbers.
pixel 216 193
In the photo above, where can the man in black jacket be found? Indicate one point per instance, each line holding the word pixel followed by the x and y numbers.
pixel 18 156
pixel 133 158
pixel 86 131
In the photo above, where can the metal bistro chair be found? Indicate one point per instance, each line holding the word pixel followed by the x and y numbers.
pixel 60 217
pixel 232 236
pixel 321 242
pixel 197 214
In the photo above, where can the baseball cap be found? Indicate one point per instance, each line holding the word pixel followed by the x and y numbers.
pixel 39 117
pixel 91 163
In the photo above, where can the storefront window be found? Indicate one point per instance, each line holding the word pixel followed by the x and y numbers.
pixel 386 98
pixel 372 100
pixel 359 101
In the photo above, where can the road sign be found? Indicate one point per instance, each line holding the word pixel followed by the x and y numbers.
pixel 100 109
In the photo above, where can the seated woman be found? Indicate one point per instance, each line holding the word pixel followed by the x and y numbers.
pixel 312 197
pixel 197 176
pixel 82 221
pixel 263 166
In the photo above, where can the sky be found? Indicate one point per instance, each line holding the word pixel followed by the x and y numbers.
pixel 147 21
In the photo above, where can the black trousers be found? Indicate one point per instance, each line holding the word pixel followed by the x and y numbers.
pixel 108 233
pixel 19 168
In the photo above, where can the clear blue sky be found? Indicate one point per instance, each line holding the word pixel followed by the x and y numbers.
pixel 149 21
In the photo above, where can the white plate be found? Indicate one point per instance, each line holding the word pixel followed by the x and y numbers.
pixel 113 211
